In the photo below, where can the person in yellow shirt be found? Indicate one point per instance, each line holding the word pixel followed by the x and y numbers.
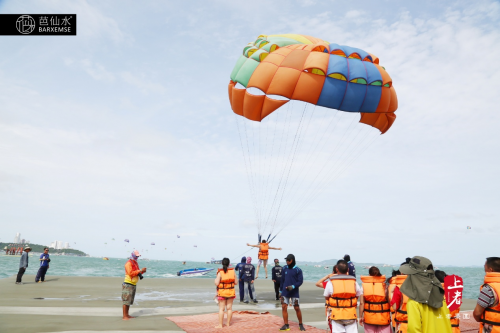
pixel 132 275
pixel 426 307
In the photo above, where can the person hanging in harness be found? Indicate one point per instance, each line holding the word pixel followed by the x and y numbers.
pixel 263 254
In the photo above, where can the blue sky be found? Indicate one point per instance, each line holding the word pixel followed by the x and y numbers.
pixel 125 131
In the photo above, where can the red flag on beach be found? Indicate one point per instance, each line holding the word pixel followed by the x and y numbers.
pixel 453 291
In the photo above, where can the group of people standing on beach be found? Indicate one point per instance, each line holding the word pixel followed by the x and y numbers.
pixel 42 271
pixel 411 300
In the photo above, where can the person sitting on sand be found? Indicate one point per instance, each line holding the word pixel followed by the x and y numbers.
pixel 225 282
pixel 263 254
pixel 291 280
pixel 132 274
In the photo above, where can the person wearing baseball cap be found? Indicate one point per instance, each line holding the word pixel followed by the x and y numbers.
pixel 426 307
pixel 291 280
pixel 132 275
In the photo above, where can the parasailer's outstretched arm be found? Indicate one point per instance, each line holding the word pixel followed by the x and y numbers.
pixel 253 245
pixel 275 248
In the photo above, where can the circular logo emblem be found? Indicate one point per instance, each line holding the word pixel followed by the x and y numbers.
pixel 25 24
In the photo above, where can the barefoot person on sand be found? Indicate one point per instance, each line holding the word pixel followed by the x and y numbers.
pixel 225 282
pixel 263 254
pixel 132 274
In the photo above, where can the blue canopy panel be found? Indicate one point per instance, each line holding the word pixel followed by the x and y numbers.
pixel 350 50
pixel 333 90
pixel 373 92
pixel 355 93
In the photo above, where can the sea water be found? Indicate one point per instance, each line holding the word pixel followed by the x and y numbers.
pixel 87 266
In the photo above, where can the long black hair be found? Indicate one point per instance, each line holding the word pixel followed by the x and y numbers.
pixel 225 264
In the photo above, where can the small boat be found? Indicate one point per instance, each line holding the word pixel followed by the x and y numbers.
pixel 194 271
pixel 105 258
pixel 216 262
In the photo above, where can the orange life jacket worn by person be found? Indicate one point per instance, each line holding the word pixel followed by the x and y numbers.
pixel 401 315
pixel 455 322
pixel 132 272
pixel 343 301
pixel 264 251
pixel 226 284
pixel 376 308
pixel 491 315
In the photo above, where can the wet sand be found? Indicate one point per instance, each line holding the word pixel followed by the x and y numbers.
pixel 93 304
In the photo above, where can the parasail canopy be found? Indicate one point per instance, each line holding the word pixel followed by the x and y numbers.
pixel 304 68
pixel 297 99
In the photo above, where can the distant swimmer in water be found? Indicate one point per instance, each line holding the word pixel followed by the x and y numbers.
pixel 263 254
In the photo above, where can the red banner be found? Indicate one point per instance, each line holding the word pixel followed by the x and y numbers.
pixel 453 291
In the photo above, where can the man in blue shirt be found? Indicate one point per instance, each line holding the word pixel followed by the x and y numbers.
pixel 238 269
pixel 352 269
pixel 44 265
pixel 247 275
pixel 291 280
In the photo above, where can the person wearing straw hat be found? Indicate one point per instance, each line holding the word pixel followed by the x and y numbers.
pixel 23 264
pixel 426 307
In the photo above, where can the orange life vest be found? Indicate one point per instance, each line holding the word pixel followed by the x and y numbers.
pixel 376 308
pixel 226 284
pixel 491 315
pixel 455 322
pixel 263 251
pixel 401 316
pixel 343 301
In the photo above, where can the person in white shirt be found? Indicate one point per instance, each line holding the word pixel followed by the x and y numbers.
pixel 349 325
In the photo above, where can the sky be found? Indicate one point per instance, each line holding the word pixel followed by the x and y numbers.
pixel 125 131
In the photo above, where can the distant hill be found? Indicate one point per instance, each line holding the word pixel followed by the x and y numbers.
pixel 39 248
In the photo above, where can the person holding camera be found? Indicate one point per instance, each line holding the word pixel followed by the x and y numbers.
pixel 132 275
pixel 44 266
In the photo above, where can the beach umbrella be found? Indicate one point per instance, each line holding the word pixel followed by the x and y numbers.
pixel 321 83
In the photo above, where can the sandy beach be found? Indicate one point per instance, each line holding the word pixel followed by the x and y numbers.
pixel 93 304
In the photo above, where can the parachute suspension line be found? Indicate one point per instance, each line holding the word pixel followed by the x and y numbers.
pixel 336 175
pixel 288 117
pixel 318 179
pixel 310 160
pixel 296 142
pixel 288 160
pixel 267 179
pixel 248 168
